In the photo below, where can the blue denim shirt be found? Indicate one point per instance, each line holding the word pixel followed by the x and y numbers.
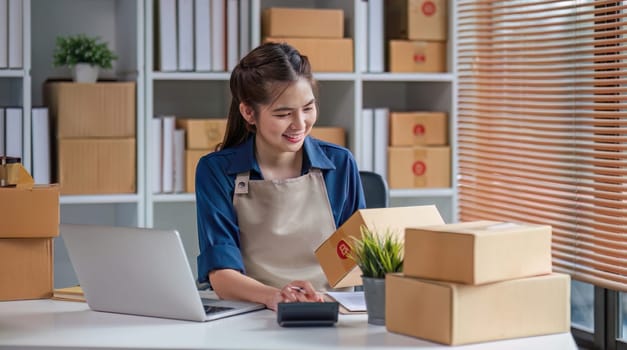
pixel 218 231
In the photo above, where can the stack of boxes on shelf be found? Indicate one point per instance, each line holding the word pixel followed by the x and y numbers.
pixel 416 31
pixel 419 155
pixel 477 281
pixel 201 137
pixel 330 134
pixel 30 221
pixel 95 136
pixel 316 33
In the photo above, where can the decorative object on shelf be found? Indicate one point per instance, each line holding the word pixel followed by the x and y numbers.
pixel 84 55
pixel 376 254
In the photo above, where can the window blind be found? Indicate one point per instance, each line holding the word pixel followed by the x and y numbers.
pixel 542 133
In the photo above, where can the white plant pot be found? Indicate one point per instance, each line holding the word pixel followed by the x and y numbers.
pixel 85 73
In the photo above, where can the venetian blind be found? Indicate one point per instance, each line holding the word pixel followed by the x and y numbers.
pixel 542 129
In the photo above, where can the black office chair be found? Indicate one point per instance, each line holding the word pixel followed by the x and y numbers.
pixel 375 189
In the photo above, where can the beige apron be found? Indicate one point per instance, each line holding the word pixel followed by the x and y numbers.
pixel 281 223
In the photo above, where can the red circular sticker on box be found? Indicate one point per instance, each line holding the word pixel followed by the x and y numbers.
pixel 428 8
pixel 419 129
pixel 343 249
pixel 419 58
pixel 419 168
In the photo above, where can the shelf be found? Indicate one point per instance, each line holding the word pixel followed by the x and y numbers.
pixel 335 76
pixel 12 73
pixel 190 76
pixel 409 77
pixel 100 199
pixel 419 192
pixel 174 197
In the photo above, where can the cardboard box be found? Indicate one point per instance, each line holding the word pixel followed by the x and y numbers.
pixel 330 134
pixel 97 166
pixel 418 128
pixel 416 57
pixel 302 23
pixel 192 156
pixel 29 213
pixel 103 109
pixel 416 19
pixel 332 254
pixel 325 55
pixel 419 167
pixel 26 268
pixel 202 133
pixel 478 252
pixel 455 314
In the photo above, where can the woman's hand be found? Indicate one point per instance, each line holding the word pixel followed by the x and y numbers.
pixel 295 291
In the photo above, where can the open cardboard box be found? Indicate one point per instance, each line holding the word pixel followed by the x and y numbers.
pixel 332 254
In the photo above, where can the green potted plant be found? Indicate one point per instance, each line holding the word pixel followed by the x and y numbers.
pixel 376 254
pixel 84 55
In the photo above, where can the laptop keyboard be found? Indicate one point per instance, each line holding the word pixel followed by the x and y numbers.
pixel 209 309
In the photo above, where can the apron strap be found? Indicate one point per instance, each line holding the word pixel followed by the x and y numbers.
pixel 241 183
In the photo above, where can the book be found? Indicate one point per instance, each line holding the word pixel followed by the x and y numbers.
pixel 362 44
pixel 232 34
pixel 16 34
pixel 13 133
pixel 375 36
pixel 157 154
pixel 380 141
pixel 167 170
pixel 2 137
pixel 202 35
pixel 41 145
pixel 366 156
pixel 218 27
pixel 179 160
pixel 4 34
pixel 244 28
pixel 167 36
pixel 185 39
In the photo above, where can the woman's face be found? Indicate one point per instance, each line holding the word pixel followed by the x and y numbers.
pixel 283 125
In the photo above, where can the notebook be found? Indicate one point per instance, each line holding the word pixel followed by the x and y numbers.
pixel 140 271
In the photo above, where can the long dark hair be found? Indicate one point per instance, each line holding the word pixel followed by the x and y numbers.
pixel 257 80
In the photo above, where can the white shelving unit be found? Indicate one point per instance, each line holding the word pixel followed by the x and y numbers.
pixel 127 25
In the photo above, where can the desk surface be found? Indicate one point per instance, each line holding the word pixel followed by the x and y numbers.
pixel 52 324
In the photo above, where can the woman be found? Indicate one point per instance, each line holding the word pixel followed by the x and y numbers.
pixel 271 194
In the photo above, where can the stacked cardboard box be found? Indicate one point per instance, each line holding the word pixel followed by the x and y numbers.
pixel 477 281
pixel 201 137
pixel 416 31
pixel 316 33
pixel 330 134
pixel 95 136
pixel 419 155
pixel 30 220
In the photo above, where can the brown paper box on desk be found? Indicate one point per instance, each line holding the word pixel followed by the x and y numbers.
pixel 29 219
pixel 332 254
pixel 451 313
pixel 477 252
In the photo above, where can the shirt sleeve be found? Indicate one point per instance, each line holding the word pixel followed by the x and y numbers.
pixel 218 231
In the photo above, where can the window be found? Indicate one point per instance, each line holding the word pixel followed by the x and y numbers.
pixel 542 137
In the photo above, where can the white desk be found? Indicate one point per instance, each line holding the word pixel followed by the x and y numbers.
pixel 50 324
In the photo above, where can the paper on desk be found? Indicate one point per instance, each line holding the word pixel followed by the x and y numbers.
pixel 351 301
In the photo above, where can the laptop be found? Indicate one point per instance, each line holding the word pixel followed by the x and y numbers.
pixel 140 271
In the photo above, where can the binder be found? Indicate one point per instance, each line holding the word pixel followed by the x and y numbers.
pixel 2 137
pixel 367 142
pixel 179 160
pixel 362 23
pixel 13 132
pixel 202 35
pixel 167 36
pixel 380 144
pixel 168 154
pixel 244 28
pixel 41 145
pixel 232 34
pixel 16 35
pixel 185 24
pixel 157 154
pixel 375 36
pixel 4 38
pixel 218 47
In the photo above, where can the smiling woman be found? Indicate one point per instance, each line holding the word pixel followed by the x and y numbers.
pixel 270 185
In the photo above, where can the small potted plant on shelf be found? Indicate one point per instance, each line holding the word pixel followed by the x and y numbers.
pixel 376 254
pixel 84 55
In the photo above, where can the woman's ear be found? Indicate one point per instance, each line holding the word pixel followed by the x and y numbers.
pixel 247 112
